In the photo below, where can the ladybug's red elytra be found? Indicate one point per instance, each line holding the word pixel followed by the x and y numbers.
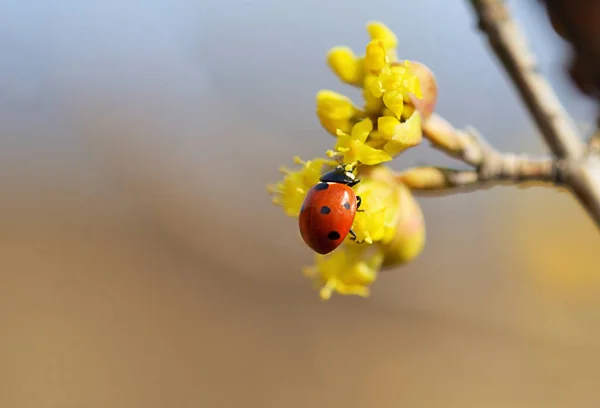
pixel 329 209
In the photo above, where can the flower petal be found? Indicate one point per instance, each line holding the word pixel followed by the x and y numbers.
pixel 335 111
pixel 289 193
pixel 408 134
pixel 344 141
pixel 362 129
pixel 394 100
pixel 368 155
pixel 334 105
pixel 376 57
pixel 379 31
pixel 386 125
pixel 372 84
pixel 347 66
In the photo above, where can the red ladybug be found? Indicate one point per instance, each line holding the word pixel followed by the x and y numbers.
pixel 328 211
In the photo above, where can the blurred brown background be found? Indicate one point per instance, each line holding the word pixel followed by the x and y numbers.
pixel 143 265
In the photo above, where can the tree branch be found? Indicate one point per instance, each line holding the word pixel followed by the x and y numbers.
pixel 510 45
pixel 580 165
pixel 490 166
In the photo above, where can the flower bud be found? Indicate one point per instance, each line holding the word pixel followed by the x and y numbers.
pixel 381 32
pixel 347 66
pixel 424 178
pixel 335 111
pixel 409 241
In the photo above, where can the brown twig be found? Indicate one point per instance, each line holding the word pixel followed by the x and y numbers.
pixel 490 166
pixel 580 165
pixel 510 45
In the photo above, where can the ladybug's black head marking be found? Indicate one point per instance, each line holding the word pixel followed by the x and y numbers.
pixel 340 175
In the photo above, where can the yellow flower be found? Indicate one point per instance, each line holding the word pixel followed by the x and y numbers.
pixel 400 135
pixel 348 271
pixel 352 148
pixel 389 227
pixel 335 111
pixel 395 84
pixel 347 66
pixel 290 192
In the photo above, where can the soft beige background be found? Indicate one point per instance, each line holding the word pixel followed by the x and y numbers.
pixel 142 264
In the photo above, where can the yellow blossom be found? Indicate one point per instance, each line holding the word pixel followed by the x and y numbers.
pixel 395 84
pixel 290 192
pixel 401 77
pixel 389 226
pixel 348 271
pixel 400 135
pixel 347 66
pixel 352 148
pixel 335 111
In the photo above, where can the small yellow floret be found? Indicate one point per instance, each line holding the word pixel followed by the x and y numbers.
pixel 335 111
pixel 352 148
pixel 347 271
pixel 291 191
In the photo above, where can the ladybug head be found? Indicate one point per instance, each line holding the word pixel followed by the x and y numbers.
pixel 343 174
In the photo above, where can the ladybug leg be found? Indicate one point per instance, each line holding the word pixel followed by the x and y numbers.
pixel 353 237
pixel 358 203
pixel 353 182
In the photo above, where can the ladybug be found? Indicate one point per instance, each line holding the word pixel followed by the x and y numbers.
pixel 328 210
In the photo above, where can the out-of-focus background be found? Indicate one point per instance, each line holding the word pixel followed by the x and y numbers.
pixel 143 265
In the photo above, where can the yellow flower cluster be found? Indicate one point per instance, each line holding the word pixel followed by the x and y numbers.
pixel 385 122
pixel 391 228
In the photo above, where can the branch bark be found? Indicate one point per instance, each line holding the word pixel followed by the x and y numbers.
pixel 509 43
pixel 580 166
pixel 490 166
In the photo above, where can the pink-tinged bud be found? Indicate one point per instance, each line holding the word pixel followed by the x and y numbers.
pixel 409 236
pixel 429 88
pixel 409 241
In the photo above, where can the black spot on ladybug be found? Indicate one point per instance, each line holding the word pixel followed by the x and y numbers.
pixel 325 210
pixel 302 208
pixel 333 235
pixel 347 206
pixel 321 186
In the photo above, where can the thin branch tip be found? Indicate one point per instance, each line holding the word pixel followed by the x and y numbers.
pixel 576 164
